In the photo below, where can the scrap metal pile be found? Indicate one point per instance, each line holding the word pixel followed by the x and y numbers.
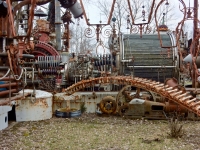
pixel 38 57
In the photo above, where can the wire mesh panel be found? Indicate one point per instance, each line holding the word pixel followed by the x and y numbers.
pixel 150 60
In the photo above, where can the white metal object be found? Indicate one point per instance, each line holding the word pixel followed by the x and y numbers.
pixel 89 98
pixel 188 58
pixel 4 116
pixel 34 108
pixel 137 101
pixel 76 10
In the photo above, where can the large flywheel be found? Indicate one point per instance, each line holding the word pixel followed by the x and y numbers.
pixel 44 49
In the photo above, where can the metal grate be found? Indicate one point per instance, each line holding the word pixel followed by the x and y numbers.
pixel 150 60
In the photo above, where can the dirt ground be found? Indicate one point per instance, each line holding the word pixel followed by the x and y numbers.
pixel 91 132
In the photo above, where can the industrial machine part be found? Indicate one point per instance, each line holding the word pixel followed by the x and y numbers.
pixel 64 113
pixel 34 59
pixel 108 105
pixel 139 108
pixel 173 94
pixel 74 7
pixel 149 59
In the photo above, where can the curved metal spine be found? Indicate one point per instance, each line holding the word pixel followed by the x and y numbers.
pixel 176 95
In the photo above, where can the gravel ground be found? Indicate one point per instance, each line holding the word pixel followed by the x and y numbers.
pixel 91 132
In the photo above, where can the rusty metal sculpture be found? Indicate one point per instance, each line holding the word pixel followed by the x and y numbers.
pixel 174 94
pixel 141 25
pixel 29 57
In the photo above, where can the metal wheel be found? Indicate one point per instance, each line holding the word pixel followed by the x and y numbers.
pixel 63 113
pixel 120 99
pixel 108 105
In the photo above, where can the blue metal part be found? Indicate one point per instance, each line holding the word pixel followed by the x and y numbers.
pixel 2 89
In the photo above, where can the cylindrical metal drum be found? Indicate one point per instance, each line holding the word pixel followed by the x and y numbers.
pixel 33 108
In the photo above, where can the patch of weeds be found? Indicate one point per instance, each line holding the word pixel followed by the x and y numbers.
pixel 176 129
pixel 82 107
pixel 26 133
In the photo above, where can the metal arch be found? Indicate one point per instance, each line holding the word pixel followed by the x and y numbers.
pixel 179 24
pixel 176 95
pixel 39 53
pixel 120 93
pixel 51 50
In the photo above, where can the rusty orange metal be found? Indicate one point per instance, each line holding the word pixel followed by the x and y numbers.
pixel 176 95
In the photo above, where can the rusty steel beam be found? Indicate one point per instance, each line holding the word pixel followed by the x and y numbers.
pixel 10 15
pixel 30 19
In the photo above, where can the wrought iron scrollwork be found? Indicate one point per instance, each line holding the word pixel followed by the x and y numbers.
pixel 89 32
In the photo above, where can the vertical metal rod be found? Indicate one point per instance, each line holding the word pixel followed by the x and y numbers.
pixel 58 25
pixel 195 26
pixel 4 44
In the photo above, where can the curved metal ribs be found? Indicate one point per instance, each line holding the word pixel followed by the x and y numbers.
pixel 176 95
pixel 52 51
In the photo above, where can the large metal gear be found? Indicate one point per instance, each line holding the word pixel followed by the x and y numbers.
pixel 108 105
pixel 44 49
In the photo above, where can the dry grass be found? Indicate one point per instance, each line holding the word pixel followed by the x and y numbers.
pixel 176 128
pixel 91 132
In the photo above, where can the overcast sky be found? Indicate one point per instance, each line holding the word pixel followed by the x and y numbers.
pixel 94 14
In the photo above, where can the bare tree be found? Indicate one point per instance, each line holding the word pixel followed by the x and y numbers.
pixel 121 12
pixel 80 43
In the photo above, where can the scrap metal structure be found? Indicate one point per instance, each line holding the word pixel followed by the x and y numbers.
pixel 127 81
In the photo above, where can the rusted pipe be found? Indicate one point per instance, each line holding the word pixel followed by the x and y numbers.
pixel 30 19
pixel 10 15
pixel 172 107
pixel 17 97
pixel 6 79
pixel 8 91
pixel 8 84
pixel 194 51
